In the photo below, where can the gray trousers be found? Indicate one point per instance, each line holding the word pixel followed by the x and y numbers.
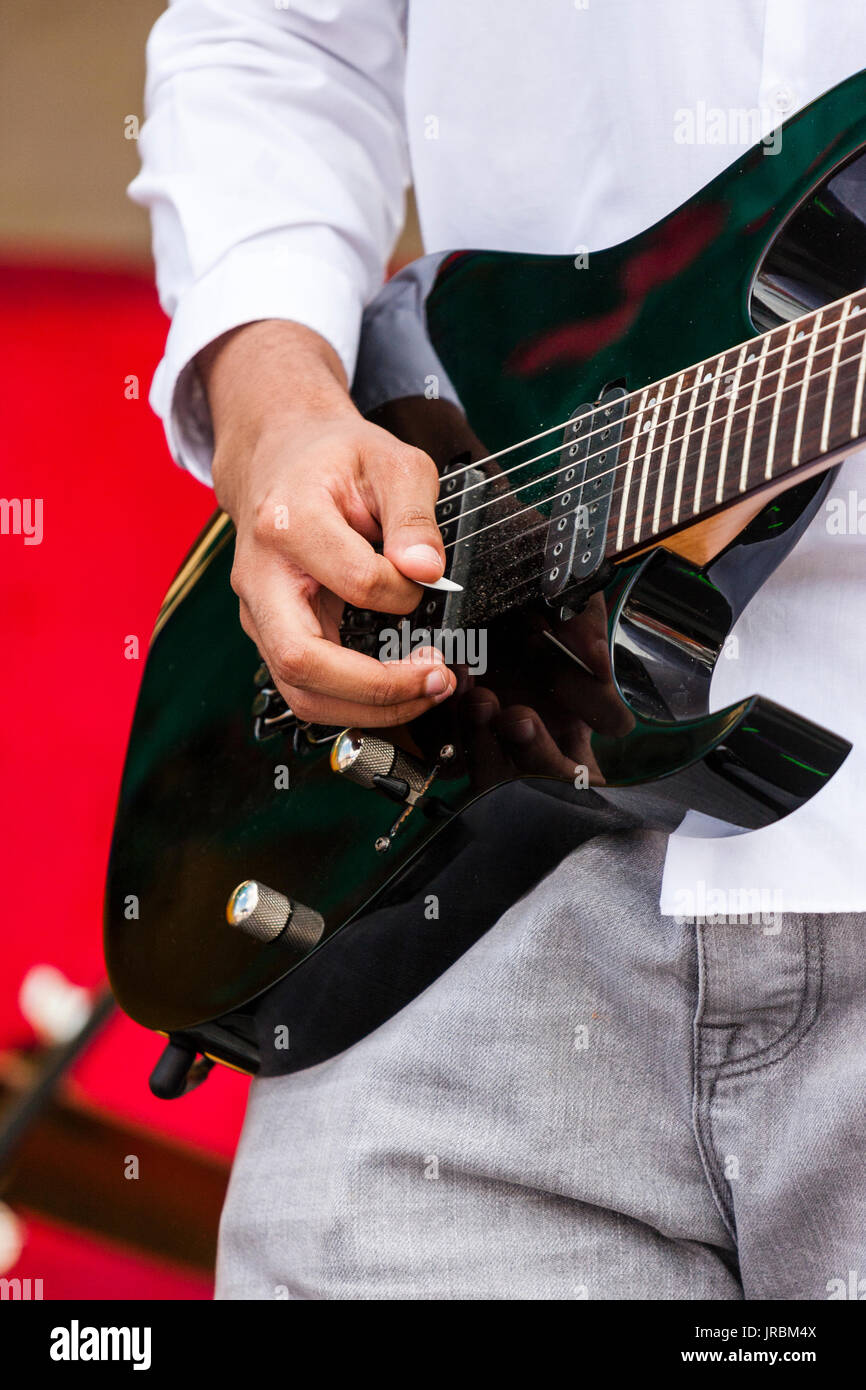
pixel 594 1102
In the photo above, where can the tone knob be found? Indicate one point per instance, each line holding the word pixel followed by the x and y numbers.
pixel 259 911
pixel 267 915
pixel 373 762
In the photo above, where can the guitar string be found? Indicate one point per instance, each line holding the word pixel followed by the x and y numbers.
pixel 669 419
pixel 693 367
pixel 776 395
pixel 707 361
pixel 654 473
pixel 544 523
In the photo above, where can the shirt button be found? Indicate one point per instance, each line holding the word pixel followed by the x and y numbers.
pixel 781 98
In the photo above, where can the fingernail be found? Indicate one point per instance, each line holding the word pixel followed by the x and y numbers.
pixel 521 731
pixel 436 683
pixel 480 712
pixel 425 553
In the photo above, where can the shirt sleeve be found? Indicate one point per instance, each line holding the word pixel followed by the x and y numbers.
pixel 274 165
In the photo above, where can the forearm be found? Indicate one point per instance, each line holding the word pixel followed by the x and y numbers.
pixel 269 377
pixel 273 163
pixel 268 370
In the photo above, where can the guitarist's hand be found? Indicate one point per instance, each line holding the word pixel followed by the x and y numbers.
pixel 309 485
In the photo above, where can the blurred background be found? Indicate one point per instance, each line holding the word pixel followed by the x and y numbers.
pixel 79 319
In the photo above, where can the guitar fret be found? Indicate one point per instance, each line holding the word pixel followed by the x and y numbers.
pixel 834 369
pixel 623 504
pixel 647 456
pixel 739 383
pixel 674 403
pixel 726 439
pixel 777 404
pixel 804 390
pixel 858 394
pixel 687 429
pixel 705 434
pixel 750 419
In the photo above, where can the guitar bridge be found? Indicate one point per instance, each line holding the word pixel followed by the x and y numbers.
pixel 574 557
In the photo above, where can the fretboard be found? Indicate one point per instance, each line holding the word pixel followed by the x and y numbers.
pixel 751 417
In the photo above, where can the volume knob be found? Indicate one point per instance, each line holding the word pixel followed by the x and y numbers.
pixel 259 911
pixel 267 915
pixel 373 762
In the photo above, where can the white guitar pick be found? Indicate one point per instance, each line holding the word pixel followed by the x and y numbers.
pixel 445 586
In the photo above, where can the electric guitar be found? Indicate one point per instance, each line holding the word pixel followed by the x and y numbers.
pixel 629 444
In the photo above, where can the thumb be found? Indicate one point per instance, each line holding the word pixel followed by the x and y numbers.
pixel 406 500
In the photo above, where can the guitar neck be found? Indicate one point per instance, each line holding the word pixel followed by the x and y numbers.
pixel 761 415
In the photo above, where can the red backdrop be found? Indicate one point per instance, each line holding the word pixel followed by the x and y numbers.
pixel 118 517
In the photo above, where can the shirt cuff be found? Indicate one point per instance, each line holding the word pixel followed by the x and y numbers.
pixel 251 283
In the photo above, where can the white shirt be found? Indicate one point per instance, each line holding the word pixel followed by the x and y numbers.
pixel 279 139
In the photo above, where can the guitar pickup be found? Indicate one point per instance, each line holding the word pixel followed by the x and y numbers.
pixel 574 555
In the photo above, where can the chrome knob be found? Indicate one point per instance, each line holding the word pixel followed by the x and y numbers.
pixel 373 762
pixel 267 916
pixel 259 911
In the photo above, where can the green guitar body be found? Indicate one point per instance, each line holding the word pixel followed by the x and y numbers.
pixel 207 802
